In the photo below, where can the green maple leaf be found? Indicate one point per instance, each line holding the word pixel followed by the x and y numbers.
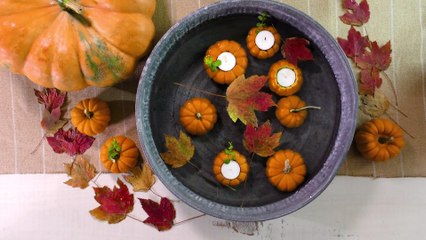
pixel 179 151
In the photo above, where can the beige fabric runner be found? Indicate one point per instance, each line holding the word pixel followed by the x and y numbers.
pixel 401 21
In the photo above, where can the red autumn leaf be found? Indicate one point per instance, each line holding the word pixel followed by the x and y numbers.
pixel 355 45
pixel 160 215
pixel 369 81
pixel 260 141
pixel 377 57
pixel 295 49
pixel 355 14
pixel 71 142
pixel 80 172
pixel 53 101
pixel 244 98
pixel 115 204
pixel 51 98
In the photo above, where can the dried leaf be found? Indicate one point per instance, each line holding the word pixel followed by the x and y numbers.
pixel 51 98
pixel 51 121
pixel 295 49
pixel 260 141
pixel 355 45
pixel 71 142
pixel 160 215
pixel 54 101
pixel 141 179
pixel 244 98
pixel 179 152
pixel 374 105
pixel 355 14
pixel 80 171
pixel 114 204
pixel 377 57
pixel 369 81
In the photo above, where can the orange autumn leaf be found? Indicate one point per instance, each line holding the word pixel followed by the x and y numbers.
pixel 142 179
pixel 179 151
pixel 80 171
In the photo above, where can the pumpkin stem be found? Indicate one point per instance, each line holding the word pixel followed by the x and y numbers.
pixel 114 151
pixel 88 113
pixel 304 108
pixel 385 139
pixel 213 65
pixel 198 115
pixel 230 152
pixel 71 5
pixel 287 167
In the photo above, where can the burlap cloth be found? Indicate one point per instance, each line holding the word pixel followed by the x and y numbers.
pixel 401 21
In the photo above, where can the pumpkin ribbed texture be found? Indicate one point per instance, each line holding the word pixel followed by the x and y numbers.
pixel 198 116
pixel 91 116
pixel 284 114
pixel 255 50
pixel 273 80
pixel 379 139
pixel 242 162
pixel 56 49
pixel 127 155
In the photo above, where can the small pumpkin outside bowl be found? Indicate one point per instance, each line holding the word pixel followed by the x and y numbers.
pixel 322 140
pixel 119 154
pixel 90 116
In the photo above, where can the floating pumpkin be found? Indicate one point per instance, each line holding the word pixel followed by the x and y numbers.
pixel 225 61
pixel 70 44
pixel 91 116
pixel 230 167
pixel 263 42
pixel 198 116
pixel 284 78
pixel 286 170
pixel 119 154
pixel 292 111
pixel 379 139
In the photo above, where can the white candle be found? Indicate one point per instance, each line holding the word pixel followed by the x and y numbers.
pixel 265 40
pixel 230 170
pixel 228 61
pixel 286 77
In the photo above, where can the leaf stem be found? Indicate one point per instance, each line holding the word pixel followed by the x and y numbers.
pixel 96 179
pixel 135 218
pixel 392 86
pixel 403 129
pixel 304 108
pixel 199 90
pixel 399 110
pixel 38 144
pixel 189 219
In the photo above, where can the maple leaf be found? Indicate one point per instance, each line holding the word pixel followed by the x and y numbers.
pixel 369 81
pixel 80 171
pixel 179 152
pixel 160 215
pixel 355 45
pixel 71 142
pixel 355 14
pixel 115 204
pixel 244 98
pixel 260 141
pixel 54 101
pixel 141 179
pixel 374 105
pixel 51 98
pixel 295 49
pixel 377 57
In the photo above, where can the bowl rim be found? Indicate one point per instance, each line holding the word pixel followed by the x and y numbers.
pixel 348 97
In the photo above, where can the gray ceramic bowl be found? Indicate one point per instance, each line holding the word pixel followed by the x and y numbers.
pixel 322 140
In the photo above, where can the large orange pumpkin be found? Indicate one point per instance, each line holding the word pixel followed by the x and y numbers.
pixel 70 44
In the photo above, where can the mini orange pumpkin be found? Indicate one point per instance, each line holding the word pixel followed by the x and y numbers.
pixel 284 78
pixel 213 68
pixel 230 167
pixel 288 113
pixel 91 116
pixel 198 116
pixel 119 154
pixel 286 170
pixel 379 139
pixel 254 48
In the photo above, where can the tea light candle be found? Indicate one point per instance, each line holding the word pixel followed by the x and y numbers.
pixel 230 170
pixel 228 61
pixel 265 40
pixel 286 77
